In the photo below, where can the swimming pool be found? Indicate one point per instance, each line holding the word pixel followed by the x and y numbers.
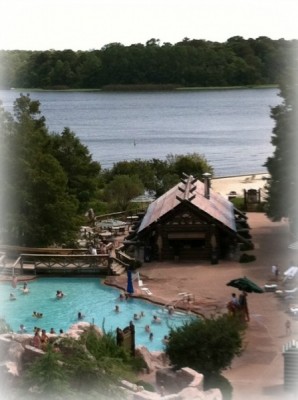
pixel 93 299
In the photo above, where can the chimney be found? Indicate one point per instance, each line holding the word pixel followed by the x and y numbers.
pixel 207 177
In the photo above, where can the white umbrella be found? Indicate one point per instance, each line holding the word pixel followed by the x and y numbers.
pixel 110 223
pixel 143 199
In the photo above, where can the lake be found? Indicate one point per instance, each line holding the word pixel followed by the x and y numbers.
pixel 231 128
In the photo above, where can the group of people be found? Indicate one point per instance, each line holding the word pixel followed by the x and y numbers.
pixel 238 305
pixel 41 338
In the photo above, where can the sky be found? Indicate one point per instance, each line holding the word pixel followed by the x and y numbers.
pixel 92 24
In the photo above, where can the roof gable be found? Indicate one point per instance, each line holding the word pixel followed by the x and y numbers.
pixel 194 192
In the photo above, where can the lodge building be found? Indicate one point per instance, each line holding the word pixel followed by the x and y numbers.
pixel 192 222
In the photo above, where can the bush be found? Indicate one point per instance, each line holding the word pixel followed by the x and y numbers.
pixel 207 346
pixel 246 258
pixel 238 203
pixel 247 246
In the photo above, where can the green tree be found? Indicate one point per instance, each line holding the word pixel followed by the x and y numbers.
pixel 39 210
pixel 283 164
pixel 191 164
pixel 206 345
pixel 81 171
pixel 121 190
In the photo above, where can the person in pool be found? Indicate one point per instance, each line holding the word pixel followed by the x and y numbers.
pixel 80 315
pixel 37 314
pixel 12 296
pixel 25 288
pixel 22 329
pixel 59 294
pixel 156 320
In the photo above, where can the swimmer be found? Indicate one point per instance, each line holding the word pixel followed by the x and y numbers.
pixel 136 317
pixel 22 329
pixel 117 309
pixel 59 294
pixel 52 331
pixel 156 320
pixel 12 296
pixel 151 336
pixel 37 314
pixel 80 315
pixel 147 329
pixel 25 288
pixel 122 296
pixel 165 340
pixel 142 314
pixel 171 310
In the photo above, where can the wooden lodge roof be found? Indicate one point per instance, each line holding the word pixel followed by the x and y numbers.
pixel 199 195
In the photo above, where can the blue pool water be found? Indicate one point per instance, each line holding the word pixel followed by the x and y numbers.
pixel 88 295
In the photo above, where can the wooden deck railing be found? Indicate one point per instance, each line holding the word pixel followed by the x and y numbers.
pixel 66 263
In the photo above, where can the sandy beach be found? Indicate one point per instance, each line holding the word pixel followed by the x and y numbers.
pixel 239 183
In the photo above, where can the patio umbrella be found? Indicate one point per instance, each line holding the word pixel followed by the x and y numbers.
pixel 129 282
pixel 110 223
pixel 245 285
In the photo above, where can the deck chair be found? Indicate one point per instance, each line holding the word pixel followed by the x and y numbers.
pixel 147 291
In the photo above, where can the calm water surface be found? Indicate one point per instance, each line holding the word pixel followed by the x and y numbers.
pixel 232 128
pixel 95 300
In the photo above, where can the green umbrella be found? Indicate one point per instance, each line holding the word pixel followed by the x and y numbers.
pixel 245 285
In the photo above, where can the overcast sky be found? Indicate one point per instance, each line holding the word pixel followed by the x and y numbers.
pixel 91 24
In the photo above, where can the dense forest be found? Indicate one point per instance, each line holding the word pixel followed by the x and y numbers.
pixel 189 63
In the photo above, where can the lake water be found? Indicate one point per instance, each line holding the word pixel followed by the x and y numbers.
pixel 232 128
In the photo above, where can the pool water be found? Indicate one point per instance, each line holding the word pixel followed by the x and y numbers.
pixel 93 299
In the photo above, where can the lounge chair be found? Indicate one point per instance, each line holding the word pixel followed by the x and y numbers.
pixel 270 287
pixel 147 291
pixel 287 294
pixel 290 273
pixel 293 309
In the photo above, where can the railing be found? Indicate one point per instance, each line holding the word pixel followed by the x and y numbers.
pixel 66 263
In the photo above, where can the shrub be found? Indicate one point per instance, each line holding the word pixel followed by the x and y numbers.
pixel 246 258
pixel 247 246
pixel 208 346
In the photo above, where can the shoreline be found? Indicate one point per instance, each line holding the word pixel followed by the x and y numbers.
pixel 239 183
pixel 138 88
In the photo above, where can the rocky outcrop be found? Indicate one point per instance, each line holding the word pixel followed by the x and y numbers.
pixel 185 384
pixel 188 386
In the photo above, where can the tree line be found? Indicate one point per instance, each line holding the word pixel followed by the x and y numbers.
pixel 188 63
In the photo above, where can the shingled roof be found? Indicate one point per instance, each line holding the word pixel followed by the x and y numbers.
pixel 199 195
